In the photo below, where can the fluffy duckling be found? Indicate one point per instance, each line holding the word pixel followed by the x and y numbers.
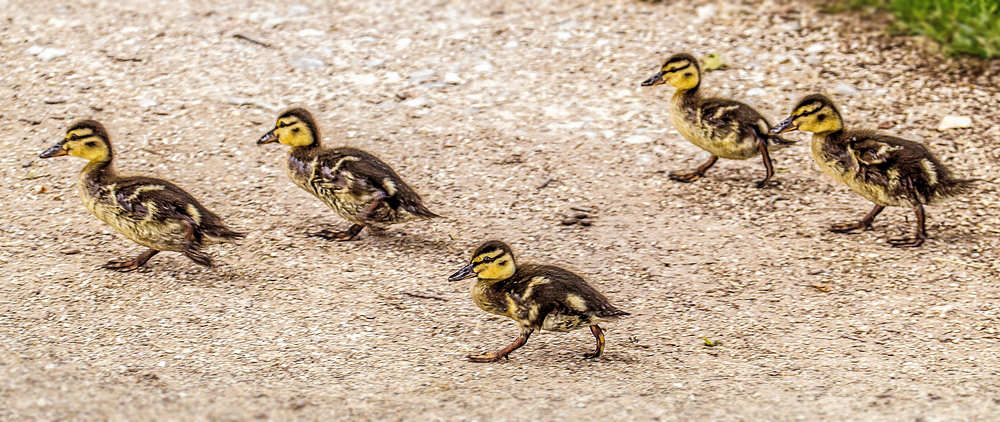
pixel 723 127
pixel 357 185
pixel 886 170
pixel 537 297
pixel 151 212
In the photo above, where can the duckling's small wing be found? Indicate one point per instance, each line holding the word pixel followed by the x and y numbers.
pixel 378 175
pixel 141 197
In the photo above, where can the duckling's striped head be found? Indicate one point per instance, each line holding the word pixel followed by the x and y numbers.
pixel 295 128
pixel 85 139
pixel 680 70
pixel 814 113
pixel 492 260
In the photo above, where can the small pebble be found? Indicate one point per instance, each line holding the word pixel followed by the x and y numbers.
pixel 585 222
pixel 569 221
pixel 69 250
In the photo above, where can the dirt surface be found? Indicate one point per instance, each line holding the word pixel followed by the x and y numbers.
pixel 477 104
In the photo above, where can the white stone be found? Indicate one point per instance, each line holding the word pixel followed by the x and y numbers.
pixel 421 75
pixel 417 102
pixel 753 92
pixel 307 63
pixel 403 43
pixel 638 139
pixel 452 78
pixel 955 122
pixel 34 50
pixel 815 48
pixel 298 10
pixel 845 89
pixel 51 53
pixel 563 35
pixel 365 79
pixel 483 66
pixel 147 103
pixel 273 22
pixel 512 44
pixel 705 12
pixel 311 33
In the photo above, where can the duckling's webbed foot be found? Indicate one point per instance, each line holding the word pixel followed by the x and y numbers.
pixel 920 236
pixel 688 177
pixel 342 236
pixel 126 265
pixel 502 353
pixel 864 224
pixel 599 335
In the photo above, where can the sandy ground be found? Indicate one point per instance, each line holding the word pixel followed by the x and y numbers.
pixel 477 104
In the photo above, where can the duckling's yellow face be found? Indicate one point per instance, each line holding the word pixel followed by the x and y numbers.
pixel 291 131
pixel 489 264
pixel 816 115
pixel 681 71
pixel 83 143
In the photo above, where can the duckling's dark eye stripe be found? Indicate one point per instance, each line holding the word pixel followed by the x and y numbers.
pixel 810 112
pixel 679 68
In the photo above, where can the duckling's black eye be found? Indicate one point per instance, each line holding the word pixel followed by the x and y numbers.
pixel 91 144
pixel 296 130
pixel 73 137
pixel 821 117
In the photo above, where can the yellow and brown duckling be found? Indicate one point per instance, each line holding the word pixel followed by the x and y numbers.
pixel 725 128
pixel 151 212
pixel 886 170
pixel 357 185
pixel 537 297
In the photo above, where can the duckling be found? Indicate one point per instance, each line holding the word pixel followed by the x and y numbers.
pixel 357 185
pixel 151 212
pixel 723 127
pixel 886 170
pixel 537 297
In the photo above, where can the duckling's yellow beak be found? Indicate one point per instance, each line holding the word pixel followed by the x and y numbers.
pixel 268 138
pixel 786 125
pixel 464 273
pixel 656 79
pixel 56 150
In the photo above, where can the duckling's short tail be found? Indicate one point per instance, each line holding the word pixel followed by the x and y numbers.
pixel 419 210
pixel 609 311
pixel 223 232
pixel 955 187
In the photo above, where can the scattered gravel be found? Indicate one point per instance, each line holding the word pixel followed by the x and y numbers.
pixel 294 327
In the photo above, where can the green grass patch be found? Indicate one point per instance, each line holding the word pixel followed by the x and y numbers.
pixel 960 26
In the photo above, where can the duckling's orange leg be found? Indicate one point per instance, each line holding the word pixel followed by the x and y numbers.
pixel 342 236
pixel 864 224
pixel 688 177
pixel 920 236
pixel 762 145
pixel 600 342
pixel 502 353
pixel 126 265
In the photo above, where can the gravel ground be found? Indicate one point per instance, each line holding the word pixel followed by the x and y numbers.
pixel 478 104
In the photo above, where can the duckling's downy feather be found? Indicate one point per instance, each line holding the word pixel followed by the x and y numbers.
pixel 884 169
pixel 349 179
pixel 545 297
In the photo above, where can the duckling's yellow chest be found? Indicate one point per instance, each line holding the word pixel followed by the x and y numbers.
pixel 148 231
pixel 721 139
pixel 487 299
pixel 842 165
